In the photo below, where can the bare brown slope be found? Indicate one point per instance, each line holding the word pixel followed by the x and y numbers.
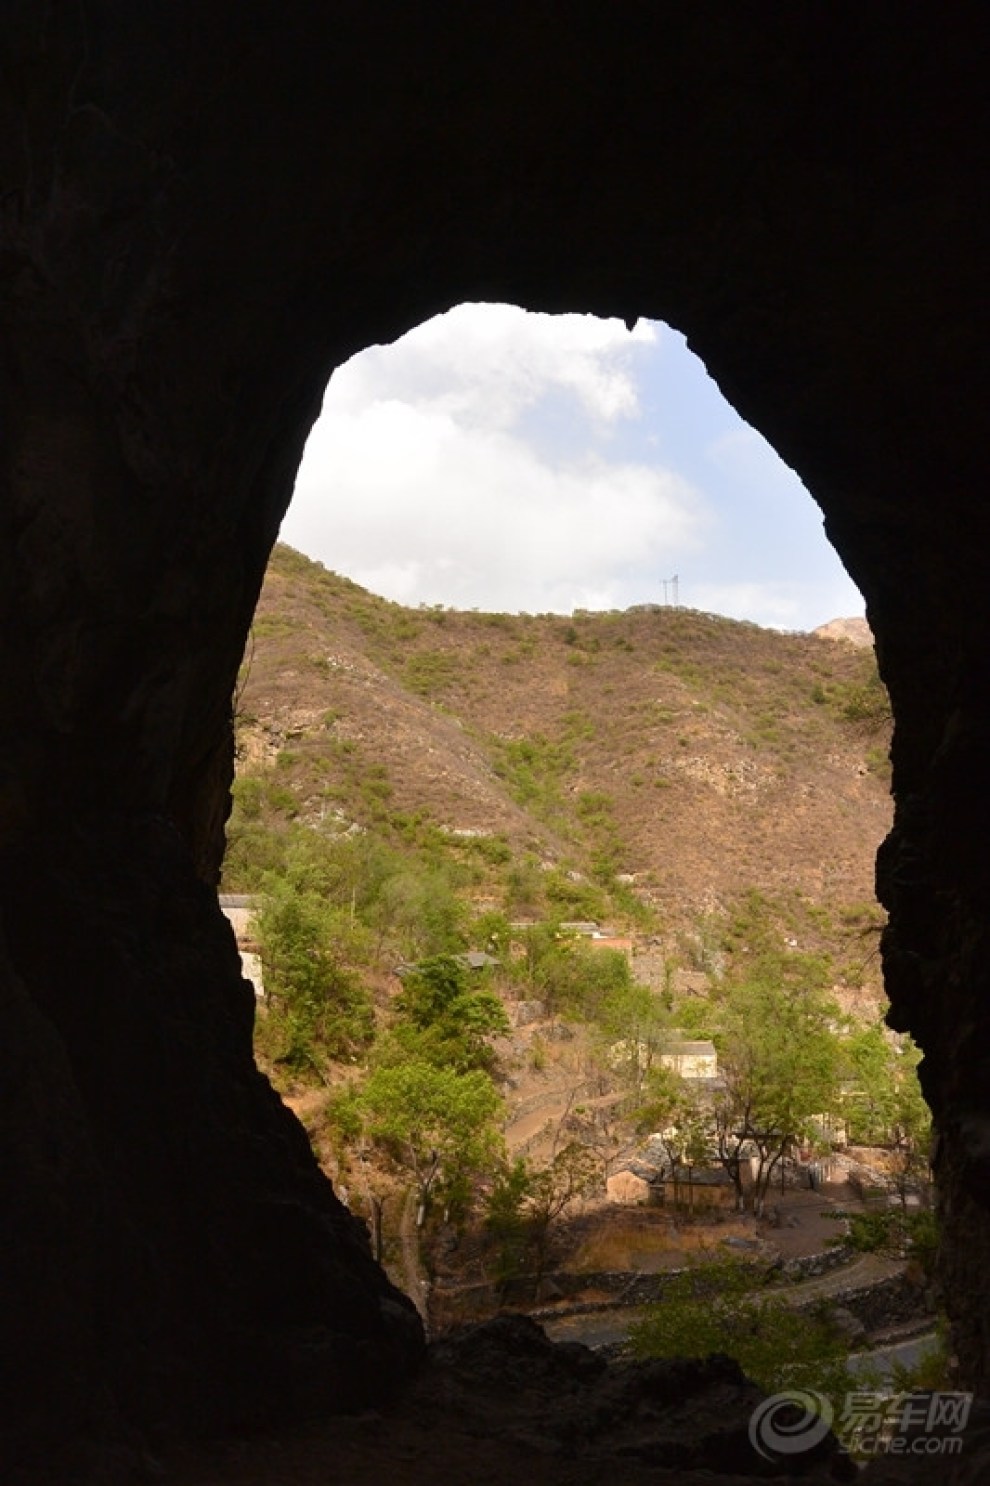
pixel 701 754
pixel 855 631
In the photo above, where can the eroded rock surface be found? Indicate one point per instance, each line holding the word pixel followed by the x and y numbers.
pixel 497 1403
pixel 172 1252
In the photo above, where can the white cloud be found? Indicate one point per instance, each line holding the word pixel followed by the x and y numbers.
pixel 419 484
pixel 497 459
pixel 487 363
pixel 415 506
pixel 787 605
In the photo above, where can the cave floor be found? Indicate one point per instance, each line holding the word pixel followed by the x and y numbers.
pixel 406 1451
pixel 498 1402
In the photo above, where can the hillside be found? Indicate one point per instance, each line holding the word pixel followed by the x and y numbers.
pixel 679 756
pixel 856 631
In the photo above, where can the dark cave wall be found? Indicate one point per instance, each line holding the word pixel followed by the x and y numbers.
pixel 204 209
pixel 173 1255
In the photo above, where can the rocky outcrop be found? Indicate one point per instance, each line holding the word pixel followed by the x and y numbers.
pixel 669 1415
pixel 854 631
pixel 205 208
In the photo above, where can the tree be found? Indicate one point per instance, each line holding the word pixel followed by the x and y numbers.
pixel 884 1105
pixel 718 1306
pixel 438 1124
pixel 635 1025
pixel 731 1125
pixel 868 1064
pixel 602 1125
pixel 672 1111
pixel 568 975
pixel 492 932
pixel 570 1174
pixel 449 1020
pixel 320 1009
pixel 423 911
pixel 527 1204
pixel 506 1218
pixel 778 1059
pixel 911 1126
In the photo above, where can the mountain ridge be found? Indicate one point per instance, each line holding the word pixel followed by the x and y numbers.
pixel 854 630
pixel 687 756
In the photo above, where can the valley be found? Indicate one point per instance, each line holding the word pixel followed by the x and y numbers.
pixel 532 894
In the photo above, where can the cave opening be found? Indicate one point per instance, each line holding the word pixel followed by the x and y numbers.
pixel 526 407
pixel 499 459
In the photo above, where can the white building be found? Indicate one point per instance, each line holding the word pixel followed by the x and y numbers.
pixel 691 1059
pixel 238 910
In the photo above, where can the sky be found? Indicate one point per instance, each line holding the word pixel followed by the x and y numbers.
pixel 496 459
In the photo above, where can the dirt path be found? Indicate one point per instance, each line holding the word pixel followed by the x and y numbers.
pixel 414 1281
pixel 520 1132
pixel 607 1327
pixel 867 1270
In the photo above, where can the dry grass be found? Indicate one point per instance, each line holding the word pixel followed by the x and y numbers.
pixel 649 1240
pixel 697 754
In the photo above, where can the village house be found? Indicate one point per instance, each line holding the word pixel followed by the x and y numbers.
pixel 694 1188
pixel 687 1188
pixel 598 938
pixel 632 1184
pixel 474 960
pixel 238 909
pixel 694 1060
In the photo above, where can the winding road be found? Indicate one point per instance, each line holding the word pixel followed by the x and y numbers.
pixel 413 1280
pixel 607 1327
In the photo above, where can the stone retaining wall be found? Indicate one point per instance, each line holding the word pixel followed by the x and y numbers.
pixel 617 1288
pixel 810 1266
pixel 888 1302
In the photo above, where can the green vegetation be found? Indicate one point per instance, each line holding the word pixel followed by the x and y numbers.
pixel 792 1069
pixel 443 1020
pixel 555 763
pixel 319 1009
pixel 437 1124
pixel 778 1060
pixel 527 1203
pixel 568 975
pixel 431 671
pixel 533 769
pixel 722 1306
pixel 413 785
pixel 884 1105
pixel 932 1370
pixel 864 701
pixel 896 1231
